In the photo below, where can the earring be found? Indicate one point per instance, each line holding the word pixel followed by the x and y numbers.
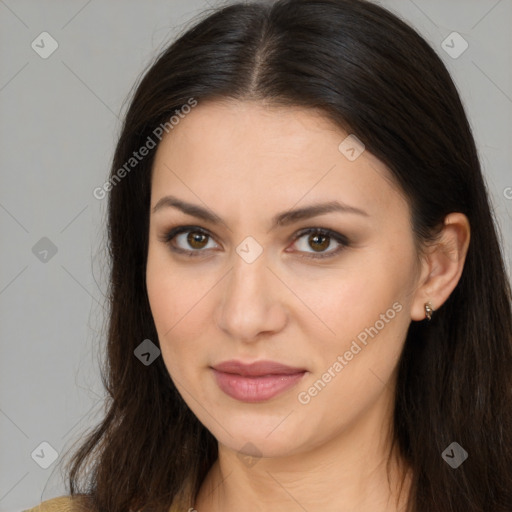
pixel 428 310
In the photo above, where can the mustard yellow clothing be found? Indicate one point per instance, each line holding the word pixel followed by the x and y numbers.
pixel 60 504
pixel 65 504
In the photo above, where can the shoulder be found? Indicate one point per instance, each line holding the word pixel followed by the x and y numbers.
pixel 67 504
pixel 61 504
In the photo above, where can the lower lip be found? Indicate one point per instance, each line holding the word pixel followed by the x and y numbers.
pixel 255 389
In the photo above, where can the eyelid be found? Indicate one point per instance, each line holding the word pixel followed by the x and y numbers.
pixel 341 239
pixel 172 233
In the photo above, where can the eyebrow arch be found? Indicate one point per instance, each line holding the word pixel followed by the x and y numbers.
pixel 281 219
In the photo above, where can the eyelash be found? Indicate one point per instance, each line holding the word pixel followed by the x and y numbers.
pixel 338 237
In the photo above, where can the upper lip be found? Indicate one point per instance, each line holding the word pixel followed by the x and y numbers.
pixel 256 369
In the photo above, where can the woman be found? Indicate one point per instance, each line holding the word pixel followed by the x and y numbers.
pixel 309 306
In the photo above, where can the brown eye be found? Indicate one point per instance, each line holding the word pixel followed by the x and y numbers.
pixel 189 240
pixel 193 241
pixel 319 242
pixel 196 239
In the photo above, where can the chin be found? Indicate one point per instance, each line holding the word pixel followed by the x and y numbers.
pixel 259 438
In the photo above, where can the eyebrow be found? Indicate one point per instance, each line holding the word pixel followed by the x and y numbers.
pixel 281 219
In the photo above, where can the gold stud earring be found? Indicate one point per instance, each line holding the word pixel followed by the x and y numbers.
pixel 428 310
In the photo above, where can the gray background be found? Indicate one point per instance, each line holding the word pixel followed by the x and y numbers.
pixel 59 119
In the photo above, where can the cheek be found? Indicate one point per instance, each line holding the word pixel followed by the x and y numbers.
pixel 170 294
pixel 353 367
pixel 350 298
pixel 178 301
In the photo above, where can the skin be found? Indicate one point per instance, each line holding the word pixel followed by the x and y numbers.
pixel 246 162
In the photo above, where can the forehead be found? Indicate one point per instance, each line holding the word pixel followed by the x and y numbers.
pixel 247 151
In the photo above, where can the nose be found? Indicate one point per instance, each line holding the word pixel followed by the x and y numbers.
pixel 251 303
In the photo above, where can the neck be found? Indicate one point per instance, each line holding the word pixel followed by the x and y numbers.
pixel 346 473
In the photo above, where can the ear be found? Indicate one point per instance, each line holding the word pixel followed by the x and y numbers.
pixel 442 265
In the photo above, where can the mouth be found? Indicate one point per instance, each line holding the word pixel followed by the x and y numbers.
pixel 256 382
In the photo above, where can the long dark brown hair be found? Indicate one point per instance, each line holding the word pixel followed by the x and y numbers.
pixel 377 78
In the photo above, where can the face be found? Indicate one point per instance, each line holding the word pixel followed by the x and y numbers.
pixel 326 293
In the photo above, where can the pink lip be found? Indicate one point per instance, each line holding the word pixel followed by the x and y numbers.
pixel 257 381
